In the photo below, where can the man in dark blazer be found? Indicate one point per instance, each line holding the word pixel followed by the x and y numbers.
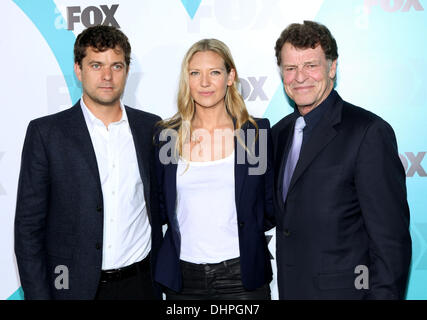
pixel 340 194
pixel 86 225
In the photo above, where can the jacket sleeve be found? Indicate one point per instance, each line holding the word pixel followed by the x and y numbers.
pixel 31 214
pixel 381 189
pixel 159 176
pixel 269 182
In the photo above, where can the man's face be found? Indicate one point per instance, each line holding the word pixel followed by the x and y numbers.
pixel 103 76
pixel 307 76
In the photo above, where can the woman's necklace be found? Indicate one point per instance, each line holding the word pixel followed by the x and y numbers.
pixel 197 143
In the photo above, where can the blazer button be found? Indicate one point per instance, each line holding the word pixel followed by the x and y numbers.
pixel 241 224
pixel 286 232
pixel 99 208
pixel 98 246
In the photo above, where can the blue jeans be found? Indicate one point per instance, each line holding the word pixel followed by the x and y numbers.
pixel 215 281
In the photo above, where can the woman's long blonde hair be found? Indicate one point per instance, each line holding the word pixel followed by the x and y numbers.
pixel 234 104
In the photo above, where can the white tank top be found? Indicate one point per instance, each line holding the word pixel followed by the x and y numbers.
pixel 206 210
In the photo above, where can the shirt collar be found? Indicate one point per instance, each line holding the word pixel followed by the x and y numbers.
pixel 92 120
pixel 313 117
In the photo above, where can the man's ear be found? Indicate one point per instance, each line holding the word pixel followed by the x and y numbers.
pixel 78 71
pixel 333 69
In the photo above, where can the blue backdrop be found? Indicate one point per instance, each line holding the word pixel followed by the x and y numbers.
pixel 381 66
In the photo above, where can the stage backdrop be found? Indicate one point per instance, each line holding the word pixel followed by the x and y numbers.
pixel 381 67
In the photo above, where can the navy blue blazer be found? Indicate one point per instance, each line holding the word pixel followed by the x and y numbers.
pixel 59 211
pixel 254 204
pixel 346 207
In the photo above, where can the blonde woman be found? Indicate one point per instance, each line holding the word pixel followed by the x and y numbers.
pixel 215 185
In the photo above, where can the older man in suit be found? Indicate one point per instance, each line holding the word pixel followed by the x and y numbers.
pixel 340 194
pixel 86 225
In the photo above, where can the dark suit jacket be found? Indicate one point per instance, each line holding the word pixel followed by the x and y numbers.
pixel 346 206
pixel 59 211
pixel 254 204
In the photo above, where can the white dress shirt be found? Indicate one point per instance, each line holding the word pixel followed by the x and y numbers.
pixel 127 230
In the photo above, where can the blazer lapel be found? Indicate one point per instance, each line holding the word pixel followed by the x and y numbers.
pixel 170 189
pixel 240 169
pixel 321 136
pixel 78 131
pixel 170 198
pixel 143 153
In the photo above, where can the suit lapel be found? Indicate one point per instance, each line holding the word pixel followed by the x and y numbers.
pixel 320 137
pixel 171 193
pixel 79 133
pixel 240 169
pixel 143 152
pixel 170 199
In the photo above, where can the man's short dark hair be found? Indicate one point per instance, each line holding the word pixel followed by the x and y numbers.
pixel 307 35
pixel 101 38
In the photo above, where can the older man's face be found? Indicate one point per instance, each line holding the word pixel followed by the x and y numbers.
pixel 307 76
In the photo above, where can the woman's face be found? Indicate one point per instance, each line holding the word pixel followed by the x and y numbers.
pixel 208 79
